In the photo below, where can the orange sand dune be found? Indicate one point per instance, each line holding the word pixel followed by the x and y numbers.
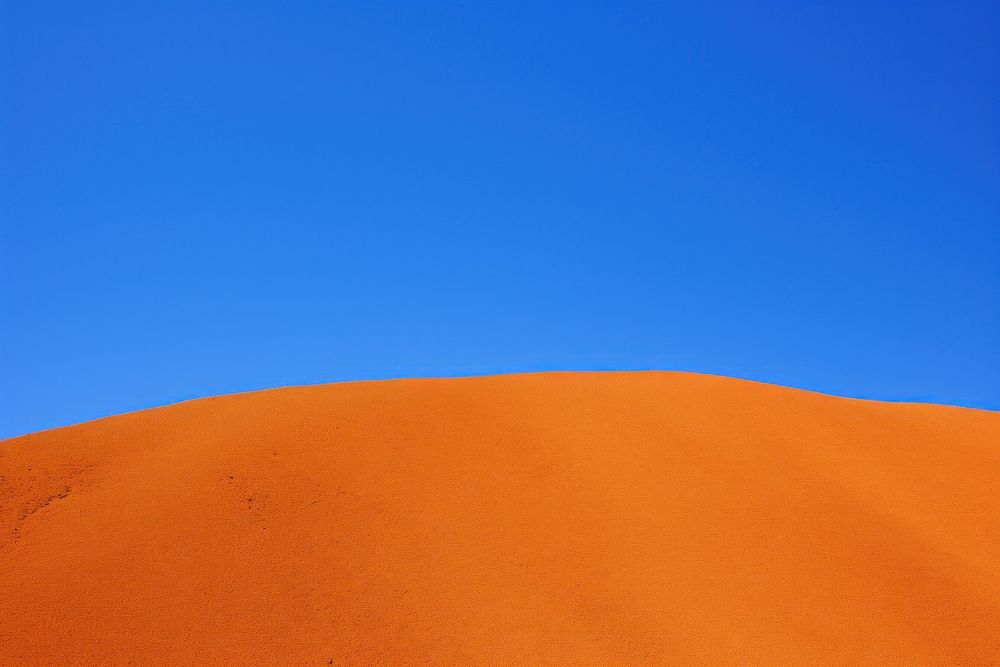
pixel 570 518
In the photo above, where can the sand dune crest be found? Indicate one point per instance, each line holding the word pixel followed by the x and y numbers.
pixel 570 518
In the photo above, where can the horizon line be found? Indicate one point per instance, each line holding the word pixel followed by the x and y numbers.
pixel 554 371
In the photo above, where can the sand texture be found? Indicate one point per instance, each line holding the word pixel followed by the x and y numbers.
pixel 560 518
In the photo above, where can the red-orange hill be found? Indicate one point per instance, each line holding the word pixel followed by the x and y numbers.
pixel 568 518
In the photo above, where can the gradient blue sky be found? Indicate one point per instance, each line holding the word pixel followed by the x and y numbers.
pixel 204 197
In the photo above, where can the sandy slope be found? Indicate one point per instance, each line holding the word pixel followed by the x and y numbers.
pixel 557 518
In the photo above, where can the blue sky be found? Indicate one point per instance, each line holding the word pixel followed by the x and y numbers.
pixel 203 197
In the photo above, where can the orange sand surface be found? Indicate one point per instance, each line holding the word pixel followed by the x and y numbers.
pixel 569 518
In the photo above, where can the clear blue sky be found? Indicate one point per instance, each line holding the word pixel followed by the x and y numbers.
pixel 204 197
